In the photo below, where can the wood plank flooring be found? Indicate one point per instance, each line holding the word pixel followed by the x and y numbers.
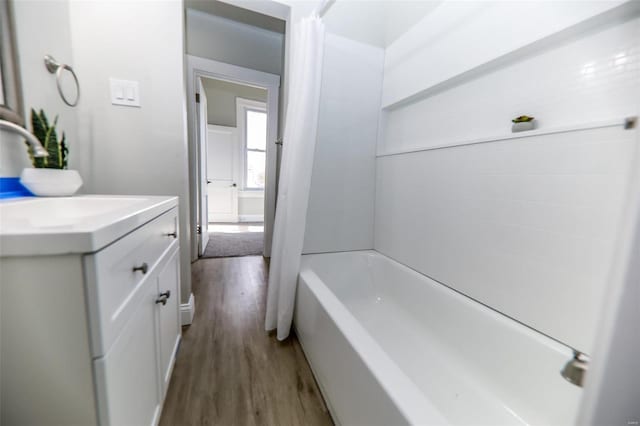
pixel 228 370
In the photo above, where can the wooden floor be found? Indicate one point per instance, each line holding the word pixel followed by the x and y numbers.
pixel 228 370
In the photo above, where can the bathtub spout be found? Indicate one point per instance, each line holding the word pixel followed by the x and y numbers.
pixel 576 369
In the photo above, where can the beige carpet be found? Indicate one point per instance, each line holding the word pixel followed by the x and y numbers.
pixel 234 244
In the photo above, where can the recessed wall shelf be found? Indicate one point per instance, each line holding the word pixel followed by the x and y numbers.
pixel 626 123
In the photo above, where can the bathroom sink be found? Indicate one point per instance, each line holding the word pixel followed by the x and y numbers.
pixel 81 224
pixel 55 212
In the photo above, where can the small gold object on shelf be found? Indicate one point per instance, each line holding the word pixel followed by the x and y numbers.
pixel 523 123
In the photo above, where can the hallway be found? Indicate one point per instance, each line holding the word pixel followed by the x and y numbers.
pixel 228 370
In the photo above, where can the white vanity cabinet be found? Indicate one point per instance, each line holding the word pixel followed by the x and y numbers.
pixel 99 333
pixel 135 329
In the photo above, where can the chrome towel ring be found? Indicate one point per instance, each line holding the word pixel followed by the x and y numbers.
pixel 55 67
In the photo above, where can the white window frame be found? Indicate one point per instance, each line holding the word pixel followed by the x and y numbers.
pixel 242 106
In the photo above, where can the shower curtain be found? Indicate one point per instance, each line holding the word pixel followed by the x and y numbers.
pixel 299 141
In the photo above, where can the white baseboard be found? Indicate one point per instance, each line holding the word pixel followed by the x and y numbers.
pixel 187 311
pixel 251 218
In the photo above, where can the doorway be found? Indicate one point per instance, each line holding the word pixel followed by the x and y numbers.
pixel 234 127
pixel 236 167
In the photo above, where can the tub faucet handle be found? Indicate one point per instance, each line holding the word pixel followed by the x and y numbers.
pixel 576 369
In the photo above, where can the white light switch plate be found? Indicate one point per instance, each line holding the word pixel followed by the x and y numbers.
pixel 125 92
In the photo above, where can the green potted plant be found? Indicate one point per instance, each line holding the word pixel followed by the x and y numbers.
pixel 49 175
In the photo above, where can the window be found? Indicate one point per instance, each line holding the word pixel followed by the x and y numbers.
pixel 255 148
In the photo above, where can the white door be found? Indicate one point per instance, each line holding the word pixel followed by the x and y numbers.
pixel 201 108
pixel 168 316
pixel 128 375
pixel 222 168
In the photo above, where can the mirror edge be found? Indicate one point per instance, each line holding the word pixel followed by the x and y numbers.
pixel 12 109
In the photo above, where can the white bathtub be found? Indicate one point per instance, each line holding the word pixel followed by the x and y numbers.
pixel 389 346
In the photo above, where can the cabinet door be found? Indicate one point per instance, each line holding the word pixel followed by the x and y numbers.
pixel 127 377
pixel 168 316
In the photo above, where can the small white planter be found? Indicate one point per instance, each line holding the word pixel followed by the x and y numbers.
pixel 523 126
pixel 51 182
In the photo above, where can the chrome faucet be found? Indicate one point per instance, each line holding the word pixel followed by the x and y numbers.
pixel 34 143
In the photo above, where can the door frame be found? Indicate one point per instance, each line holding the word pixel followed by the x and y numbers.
pixel 197 68
pixel 202 132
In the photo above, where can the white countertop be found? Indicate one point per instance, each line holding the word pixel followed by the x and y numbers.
pixel 34 226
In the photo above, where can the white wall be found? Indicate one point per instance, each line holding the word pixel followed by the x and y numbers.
pixel 224 40
pixel 341 199
pixel 586 81
pixel 250 207
pixel 525 225
pixel 221 100
pixel 459 36
pixel 51 19
pixel 134 150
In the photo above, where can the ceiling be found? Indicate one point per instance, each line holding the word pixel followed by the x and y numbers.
pixel 377 22
pixel 238 14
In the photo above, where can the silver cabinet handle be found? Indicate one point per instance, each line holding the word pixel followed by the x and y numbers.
pixel 142 268
pixel 173 234
pixel 163 297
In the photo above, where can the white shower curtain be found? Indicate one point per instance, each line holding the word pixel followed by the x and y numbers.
pixel 299 141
